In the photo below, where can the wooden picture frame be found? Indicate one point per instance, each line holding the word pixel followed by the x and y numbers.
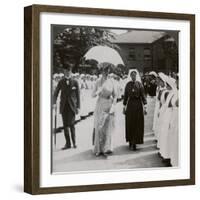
pixel 32 105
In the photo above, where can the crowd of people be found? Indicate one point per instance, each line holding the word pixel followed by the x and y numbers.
pixel 98 96
pixel 86 85
pixel 165 124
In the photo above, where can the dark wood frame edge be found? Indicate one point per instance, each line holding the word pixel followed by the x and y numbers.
pixel 32 107
pixel 27 100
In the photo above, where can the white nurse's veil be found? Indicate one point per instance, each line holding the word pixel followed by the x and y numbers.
pixel 138 78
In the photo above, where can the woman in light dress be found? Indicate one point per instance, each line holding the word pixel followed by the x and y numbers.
pixel 84 92
pixel 157 104
pixel 104 114
pixel 165 115
pixel 90 101
pixel 173 129
pixel 93 99
pixel 161 89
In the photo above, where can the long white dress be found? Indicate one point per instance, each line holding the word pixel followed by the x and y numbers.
pixel 83 96
pixel 166 115
pixel 93 99
pixel 173 132
pixel 157 126
pixel 156 110
pixel 104 121
pixel 88 96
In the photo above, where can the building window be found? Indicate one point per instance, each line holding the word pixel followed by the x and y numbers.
pixel 132 54
pixel 147 54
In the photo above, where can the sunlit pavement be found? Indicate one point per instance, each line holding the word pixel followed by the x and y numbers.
pixel 82 158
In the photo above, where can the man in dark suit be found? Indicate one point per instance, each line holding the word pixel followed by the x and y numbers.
pixel 69 104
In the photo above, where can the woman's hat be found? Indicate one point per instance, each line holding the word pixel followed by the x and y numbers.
pixel 153 74
pixel 105 66
pixel 55 75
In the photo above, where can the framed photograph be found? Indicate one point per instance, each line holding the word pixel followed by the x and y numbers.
pixel 109 99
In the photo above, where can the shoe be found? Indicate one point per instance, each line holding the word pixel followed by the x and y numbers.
pixel 109 152
pixel 105 155
pixel 134 147
pixel 75 146
pixel 167 162
pixel 66 147
pixel 97 154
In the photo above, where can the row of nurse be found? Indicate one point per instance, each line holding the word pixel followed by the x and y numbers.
pixel 165 124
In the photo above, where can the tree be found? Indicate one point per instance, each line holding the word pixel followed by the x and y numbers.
pixel 72 43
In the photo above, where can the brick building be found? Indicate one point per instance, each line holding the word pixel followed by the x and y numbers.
pixel 149 50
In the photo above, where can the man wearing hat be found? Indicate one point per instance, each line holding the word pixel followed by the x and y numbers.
pixel 69 104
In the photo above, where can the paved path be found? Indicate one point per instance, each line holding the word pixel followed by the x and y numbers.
pixel 82 158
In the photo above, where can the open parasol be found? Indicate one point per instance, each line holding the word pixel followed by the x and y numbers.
pixel 104 54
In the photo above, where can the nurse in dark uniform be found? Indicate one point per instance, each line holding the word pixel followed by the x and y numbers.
pixel 134 110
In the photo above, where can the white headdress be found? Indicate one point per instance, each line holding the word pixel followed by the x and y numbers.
pixel 82 75
pixel 171 82
pixel 138 78
pixel 153 73
pixel 55 75
pixel 61 75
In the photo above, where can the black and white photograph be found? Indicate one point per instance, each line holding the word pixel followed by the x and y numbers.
pixel 109 99
pixel 114 99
